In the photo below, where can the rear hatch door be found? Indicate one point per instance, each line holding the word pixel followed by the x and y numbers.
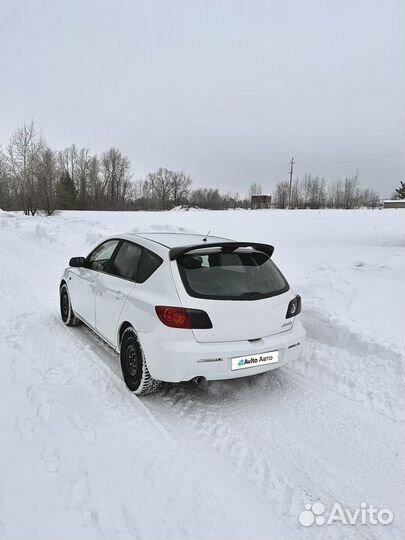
pixel 241 289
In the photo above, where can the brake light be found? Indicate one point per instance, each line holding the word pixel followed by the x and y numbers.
pixel 294 307
pixel 178 317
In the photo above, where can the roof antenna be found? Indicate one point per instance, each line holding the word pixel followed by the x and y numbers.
pixel 206 236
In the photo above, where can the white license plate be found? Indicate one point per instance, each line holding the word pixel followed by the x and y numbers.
pixel 254 360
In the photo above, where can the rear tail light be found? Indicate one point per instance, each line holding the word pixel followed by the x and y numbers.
pixel 177 317
pixel 294 307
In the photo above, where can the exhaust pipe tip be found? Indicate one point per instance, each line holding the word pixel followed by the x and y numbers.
pixel 199 380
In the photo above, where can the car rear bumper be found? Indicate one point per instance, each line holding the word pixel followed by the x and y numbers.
pixel 176 360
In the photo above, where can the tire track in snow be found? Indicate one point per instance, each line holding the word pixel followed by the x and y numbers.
pixel 67 364
pixel 353 366
pixel 215 428
pixel 28 368
pixel 59 375
pixel 285 471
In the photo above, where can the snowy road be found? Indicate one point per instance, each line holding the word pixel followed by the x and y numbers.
pixel 83 458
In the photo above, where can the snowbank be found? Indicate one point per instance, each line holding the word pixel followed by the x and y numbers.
pixel 82 458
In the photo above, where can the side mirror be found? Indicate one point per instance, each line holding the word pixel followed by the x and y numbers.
pixel 77 262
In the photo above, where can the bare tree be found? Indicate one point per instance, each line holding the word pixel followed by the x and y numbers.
pixel 281 194
pixel 68 162
pixel 350 191
pixel 5 194
pixel 207 198
pixel 181 185
pixel 94 183
pixel 76 163
pixel 255 189
pixel 296 195
pixel 368 198
pixel 83 163
pixel 23 151
pixel 336 194
pixel 314 192
pixel 33 177
pixel 46 173
pixel 161 185
pixel 115 174
pixel 235 201
pixel 321 193
pixel 317 192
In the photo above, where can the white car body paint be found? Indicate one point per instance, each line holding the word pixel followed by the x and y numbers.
pixel 106 302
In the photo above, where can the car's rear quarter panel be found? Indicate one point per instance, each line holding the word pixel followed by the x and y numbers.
pixel 139 308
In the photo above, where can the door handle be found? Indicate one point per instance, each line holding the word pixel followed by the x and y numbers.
pixel 119 295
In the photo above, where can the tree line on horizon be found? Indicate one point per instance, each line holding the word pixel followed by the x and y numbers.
pixel 36 178
pixel 316 192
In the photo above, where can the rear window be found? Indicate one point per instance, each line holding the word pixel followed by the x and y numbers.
pixel 240 275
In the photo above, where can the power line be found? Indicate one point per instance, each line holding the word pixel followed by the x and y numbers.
pixel 370 157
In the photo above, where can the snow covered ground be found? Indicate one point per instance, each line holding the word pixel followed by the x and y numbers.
pixel 83 458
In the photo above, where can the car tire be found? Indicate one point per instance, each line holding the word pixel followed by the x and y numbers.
pixel 133 364
pixel 66 311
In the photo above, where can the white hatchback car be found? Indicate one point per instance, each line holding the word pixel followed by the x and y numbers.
pixel 178 307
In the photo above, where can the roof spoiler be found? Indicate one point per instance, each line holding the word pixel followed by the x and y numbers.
pixel 227 247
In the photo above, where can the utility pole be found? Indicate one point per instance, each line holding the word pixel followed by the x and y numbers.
pixel 291 177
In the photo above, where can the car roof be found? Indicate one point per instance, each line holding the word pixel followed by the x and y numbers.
pixel 171 239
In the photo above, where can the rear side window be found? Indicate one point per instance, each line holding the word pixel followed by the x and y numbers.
pixel 239 275
pixel 149 263
pixel 125 263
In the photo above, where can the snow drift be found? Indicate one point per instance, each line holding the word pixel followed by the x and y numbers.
pixel 82 458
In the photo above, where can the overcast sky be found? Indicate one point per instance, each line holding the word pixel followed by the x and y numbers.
pixel 226 90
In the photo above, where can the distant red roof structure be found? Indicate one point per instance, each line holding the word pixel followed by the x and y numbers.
pixel 260 201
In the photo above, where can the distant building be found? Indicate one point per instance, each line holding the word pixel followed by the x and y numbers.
pixel 260 201
pixel 395 203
